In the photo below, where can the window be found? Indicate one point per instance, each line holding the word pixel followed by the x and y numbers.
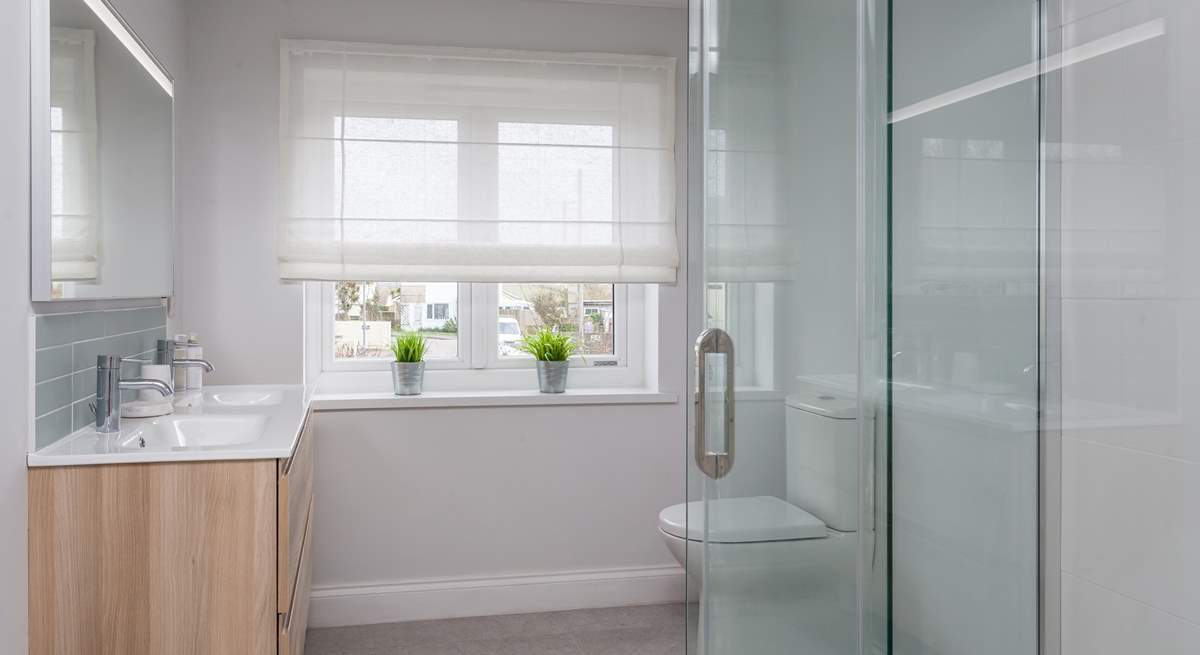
pixel 585 311
pixel 746 310
pixel 547 179
pixel 479 326
pixel 367 316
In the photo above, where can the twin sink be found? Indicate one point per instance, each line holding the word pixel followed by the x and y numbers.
pixel 216 423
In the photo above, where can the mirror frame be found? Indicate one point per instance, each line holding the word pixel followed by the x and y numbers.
pixel 41 284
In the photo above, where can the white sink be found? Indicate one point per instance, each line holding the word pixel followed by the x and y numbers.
pixel 199 431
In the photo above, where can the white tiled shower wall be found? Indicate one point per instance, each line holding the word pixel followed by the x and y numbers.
pixel 1131 313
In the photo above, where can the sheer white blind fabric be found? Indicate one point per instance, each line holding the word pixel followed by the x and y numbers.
pixel 74 220
pixel 434 164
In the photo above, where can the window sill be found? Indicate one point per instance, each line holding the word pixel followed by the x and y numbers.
pixel 520 398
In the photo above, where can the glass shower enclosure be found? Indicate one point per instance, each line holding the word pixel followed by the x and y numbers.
pixel 865 448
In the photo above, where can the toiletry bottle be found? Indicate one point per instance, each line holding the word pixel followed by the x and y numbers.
pixel 195 374
pixel 181 352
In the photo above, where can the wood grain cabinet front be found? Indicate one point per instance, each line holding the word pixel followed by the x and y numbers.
pixel 294 622
pixel 170 557
pixel 295 495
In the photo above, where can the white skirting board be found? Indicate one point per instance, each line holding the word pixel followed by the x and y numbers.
pixel 459 597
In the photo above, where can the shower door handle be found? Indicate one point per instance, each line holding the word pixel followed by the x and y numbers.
pixel 715 465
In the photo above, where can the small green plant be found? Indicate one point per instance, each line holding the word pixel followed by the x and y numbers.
pixel 548 346
pixel 409 347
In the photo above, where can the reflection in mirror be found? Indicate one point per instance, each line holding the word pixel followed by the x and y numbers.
pixel 74 250
pixel 104 200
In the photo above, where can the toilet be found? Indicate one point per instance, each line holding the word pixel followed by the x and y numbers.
pixel 806 539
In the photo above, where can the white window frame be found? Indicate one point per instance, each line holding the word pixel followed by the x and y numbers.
pixel 478 354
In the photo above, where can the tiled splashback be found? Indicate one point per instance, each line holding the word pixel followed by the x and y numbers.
pixel 65 361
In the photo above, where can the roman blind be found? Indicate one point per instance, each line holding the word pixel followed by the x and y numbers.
pixel 464 165
pixel 74 219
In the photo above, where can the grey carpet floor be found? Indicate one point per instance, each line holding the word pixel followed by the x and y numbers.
pixel 642 630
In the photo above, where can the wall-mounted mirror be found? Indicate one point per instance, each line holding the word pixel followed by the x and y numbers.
pixel 103 157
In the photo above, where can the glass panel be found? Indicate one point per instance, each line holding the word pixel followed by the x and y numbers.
pixel 778 568
pixel 394 168
pixel 544 178
pixel 1128 152
pixel 369 315
pixel 926 409
pixel 585 311
pixel 874 357
pixel 963 327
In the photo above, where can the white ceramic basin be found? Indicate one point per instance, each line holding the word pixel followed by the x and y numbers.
pixel 198 431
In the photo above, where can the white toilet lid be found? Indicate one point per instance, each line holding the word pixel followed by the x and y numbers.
pixel 741 520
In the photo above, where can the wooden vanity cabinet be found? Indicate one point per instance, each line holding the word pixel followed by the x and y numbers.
pixel 187 558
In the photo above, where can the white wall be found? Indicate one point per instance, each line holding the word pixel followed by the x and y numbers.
pixel 412 495
pixel 15 388
pixel 429 513
pixel 1130 313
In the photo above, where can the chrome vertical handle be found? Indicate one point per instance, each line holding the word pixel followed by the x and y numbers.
pixel 715 465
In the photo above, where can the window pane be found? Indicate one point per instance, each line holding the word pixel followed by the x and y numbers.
pixel 368 315
pixel 543 178
pixel 585 311
pixel 395 168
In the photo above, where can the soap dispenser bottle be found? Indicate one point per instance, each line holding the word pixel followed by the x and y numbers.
pixel 181 352
pixel 195 374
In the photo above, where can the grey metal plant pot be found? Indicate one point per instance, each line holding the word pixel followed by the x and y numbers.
pixel 552 376
pixel 407 378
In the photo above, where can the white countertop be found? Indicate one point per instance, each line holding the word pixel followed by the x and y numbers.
pixel 277 410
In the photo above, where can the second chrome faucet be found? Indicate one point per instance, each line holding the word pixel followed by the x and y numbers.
pixel 164 354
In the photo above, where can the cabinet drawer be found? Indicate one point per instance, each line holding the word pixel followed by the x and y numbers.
pixel 295 494
pixel 294 622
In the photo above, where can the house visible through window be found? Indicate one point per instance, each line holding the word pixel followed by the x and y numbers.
pixel 367 316
pixel 585 311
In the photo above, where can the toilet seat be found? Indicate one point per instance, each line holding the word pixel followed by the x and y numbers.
pixel 741 520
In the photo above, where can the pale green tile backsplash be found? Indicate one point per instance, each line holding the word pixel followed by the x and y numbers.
pixel 65 361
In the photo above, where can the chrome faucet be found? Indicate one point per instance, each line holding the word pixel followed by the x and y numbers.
pixel 164 354
pixel 109 386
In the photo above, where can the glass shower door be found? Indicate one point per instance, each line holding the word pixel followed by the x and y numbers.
pixel 774 470
pixel 865 446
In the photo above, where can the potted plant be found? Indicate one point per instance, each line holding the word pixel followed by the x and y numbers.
pixel 408 371
pixel 551 350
